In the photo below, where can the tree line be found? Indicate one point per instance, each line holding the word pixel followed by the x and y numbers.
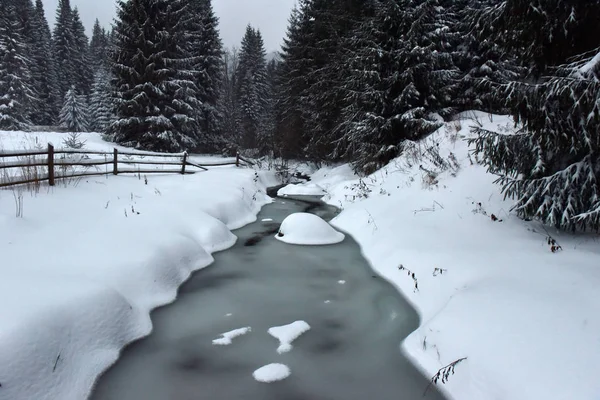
pixel 353 82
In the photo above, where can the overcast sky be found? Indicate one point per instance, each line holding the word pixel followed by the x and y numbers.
pixel 270 16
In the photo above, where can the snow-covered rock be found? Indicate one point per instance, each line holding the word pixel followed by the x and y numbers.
pixel 309 189
pixel 286 334
pixel 272 373
pixel 308 229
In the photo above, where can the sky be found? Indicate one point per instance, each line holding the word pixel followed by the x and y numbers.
pixel 270 16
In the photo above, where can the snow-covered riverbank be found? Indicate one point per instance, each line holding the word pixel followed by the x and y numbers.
pixel 86 264
pixel 486 284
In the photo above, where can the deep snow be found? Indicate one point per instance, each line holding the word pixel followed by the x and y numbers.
pixel 308 229
pixel 527 319
pixel 90 259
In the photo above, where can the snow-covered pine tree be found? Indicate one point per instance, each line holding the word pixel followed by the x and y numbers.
pixel 156 96
pixel 484 66
pixel 543 32
pixel 228 104
pixel 399 73
pixel 83 74
pixel 101 102
pixel 99 47
pixel 205 44
pixel 251 88
pixel 266 131
pixel 552 167
pixel 63 45
pixel 16 92
pixel 44 75
pixel 74 114
pixel 329 22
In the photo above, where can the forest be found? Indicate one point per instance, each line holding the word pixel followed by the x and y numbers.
pixel 354 81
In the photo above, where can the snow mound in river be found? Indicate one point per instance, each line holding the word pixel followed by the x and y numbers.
pixel 307 229
pixel 309 189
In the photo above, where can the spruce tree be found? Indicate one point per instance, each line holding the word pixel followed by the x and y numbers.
pixel 44 74
pixel 156 96
pixel 16 92
pixel 83 74
pixel 64 43
pixel 74 114
pixel 252 90
pixel 205 45
pixel 99 48
pixel 228 103
pixel 400 71
pixel 101 102
pixel 290 140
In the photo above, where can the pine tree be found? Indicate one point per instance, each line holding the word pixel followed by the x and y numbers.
pixel 44 75
pixel 99 48
pixel 290 140
pixel 64 43
pixel 251 88
pixel 156 95
pixel 16 92
pixel 266 130
pixel 74 114
pixel 101 100
pixel 228 104
pixel 400 72
pixel 543 32
pixel 205 45
pixel 83 74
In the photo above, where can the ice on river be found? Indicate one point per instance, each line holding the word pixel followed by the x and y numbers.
pixel 308 229
pixel 286 334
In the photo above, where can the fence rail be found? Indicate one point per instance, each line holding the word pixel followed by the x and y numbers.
pixel 34 159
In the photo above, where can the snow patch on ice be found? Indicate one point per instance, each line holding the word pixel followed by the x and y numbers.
pixel 272 373
pixel 286 334
pixel 342 282
pixel 228 337
pixel 308 229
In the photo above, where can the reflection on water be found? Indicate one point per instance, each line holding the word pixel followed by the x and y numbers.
pixel 350 353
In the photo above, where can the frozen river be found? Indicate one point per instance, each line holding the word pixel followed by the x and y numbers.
pixel 351 352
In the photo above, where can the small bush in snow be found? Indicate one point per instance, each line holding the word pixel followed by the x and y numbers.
pixel 73 141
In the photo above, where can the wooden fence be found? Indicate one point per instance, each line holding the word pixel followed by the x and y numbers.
pixel 33 160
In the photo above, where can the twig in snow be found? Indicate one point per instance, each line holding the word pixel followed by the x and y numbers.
pixel 56 362
pixel 412 275
pixel 443 374
pixel 439 271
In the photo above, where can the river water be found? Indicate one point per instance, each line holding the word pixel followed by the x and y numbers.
pixel 352 351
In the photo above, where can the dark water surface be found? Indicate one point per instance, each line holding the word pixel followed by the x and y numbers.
pixel 352 351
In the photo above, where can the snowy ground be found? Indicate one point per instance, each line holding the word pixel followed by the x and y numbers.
pixel 525 318
pixel 88 260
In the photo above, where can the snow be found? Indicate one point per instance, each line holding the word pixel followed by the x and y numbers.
pixel 272 373
pixel 342 282
pixel 526 319
pixel 308 229
pixel 81 270
pixel 307 189
pixel 286 334
pixel 227 337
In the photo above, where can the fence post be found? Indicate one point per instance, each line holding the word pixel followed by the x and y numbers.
pixel 237 159
pixel 185 154
pixel 50 164
pixel 116 162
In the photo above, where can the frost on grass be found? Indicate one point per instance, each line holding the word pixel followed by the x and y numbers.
pixel 308 229
pixel 286 334
pixel 272 373
pixel 227 337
